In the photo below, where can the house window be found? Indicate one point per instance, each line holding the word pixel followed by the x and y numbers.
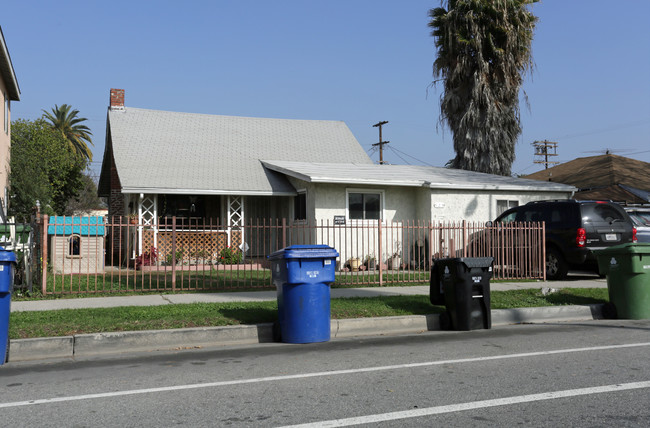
pixel 364 206
pixel 504 205
pixel 300 206
pixel 74 246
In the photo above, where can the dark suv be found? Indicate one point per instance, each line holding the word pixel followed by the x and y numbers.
pixel 574 229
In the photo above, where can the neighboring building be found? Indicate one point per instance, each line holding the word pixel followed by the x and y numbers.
pixel 609 177
pixel 238 170
pixel 9 91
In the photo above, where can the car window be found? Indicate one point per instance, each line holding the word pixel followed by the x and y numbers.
pixel 598 213
pixel 507 217
pixel 531 215
pixel 639 218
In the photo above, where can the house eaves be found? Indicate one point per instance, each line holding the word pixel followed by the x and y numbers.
pixel 7 71
pixel 409 176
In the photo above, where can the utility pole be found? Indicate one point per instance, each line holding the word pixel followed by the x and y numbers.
pixel 544 149
pixel 380 143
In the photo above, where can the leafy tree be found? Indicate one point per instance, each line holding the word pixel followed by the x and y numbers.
pixel 87 199
pixel 43 168
pixel 78 135
pixel 483 51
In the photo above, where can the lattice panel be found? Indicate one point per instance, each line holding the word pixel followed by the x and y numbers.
pixel 148 210
pixel 235 239
pixel 193 244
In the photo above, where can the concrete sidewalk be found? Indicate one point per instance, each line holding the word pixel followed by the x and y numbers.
pixel 258 296
pixel 176 339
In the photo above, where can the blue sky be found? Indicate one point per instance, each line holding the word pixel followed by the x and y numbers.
pixel 360 62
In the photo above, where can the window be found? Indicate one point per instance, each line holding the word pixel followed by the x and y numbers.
pixel 504 205
pixel 364 206
pixel 300 206
pixel 74 246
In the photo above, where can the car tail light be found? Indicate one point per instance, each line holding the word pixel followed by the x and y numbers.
pixel 634 234
pixel 581 237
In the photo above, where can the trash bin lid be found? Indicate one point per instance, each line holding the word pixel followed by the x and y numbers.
pixel 7 255
pixel 305 252
pixel 629 248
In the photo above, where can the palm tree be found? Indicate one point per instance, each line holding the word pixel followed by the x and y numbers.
pixel 483 51
pixel 65 120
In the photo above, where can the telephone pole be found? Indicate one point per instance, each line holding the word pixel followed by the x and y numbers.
pixel 380 143
pixel 544 149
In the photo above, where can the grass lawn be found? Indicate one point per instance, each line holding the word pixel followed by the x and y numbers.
pixel 78 321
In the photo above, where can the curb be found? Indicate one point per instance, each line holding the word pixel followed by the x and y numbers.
pixel 84 345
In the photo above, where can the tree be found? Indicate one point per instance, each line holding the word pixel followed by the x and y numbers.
pixel 86 200
pixel 65 120
pixel 483 52
pixel 42 168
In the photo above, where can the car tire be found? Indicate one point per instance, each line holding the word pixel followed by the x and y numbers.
pixel 556 266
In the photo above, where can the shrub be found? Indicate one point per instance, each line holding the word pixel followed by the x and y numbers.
pixel 230 256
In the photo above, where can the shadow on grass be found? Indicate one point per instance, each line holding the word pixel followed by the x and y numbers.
pixel 250 316
pixel 572 299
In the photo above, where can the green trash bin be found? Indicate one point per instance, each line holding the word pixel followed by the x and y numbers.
pixel 628 278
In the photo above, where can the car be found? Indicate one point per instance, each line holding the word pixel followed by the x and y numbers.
pixel 574 230
pixel 640 216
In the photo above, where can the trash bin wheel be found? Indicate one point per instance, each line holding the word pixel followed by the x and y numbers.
pixel 609 311
pixel 445 321
pixel 277 332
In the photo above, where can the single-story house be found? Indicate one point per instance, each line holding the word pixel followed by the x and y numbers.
pixel 608 176
pixel 239 170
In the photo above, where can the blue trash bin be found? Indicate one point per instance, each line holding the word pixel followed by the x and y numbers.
pixel 7 262
pixel 302 275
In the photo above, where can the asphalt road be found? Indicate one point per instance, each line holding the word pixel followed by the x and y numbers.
pixel 589 374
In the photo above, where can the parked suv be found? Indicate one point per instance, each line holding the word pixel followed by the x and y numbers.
pixel 641 218
pixel 574 229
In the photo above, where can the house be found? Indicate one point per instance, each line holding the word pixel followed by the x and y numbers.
pixel 160 164
pixel 9 91
pixel 76 244
pixel 238 170
pixel 607 176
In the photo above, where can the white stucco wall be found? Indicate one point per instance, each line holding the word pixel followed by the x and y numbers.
pixel 479 206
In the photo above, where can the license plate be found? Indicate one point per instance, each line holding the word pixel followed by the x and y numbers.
pixel 610 237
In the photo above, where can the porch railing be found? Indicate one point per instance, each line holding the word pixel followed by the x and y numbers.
pixel 180 255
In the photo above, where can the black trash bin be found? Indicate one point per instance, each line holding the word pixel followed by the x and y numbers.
pixel 465 291
pixel 7 265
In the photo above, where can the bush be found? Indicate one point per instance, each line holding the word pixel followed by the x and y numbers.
pixel 230 256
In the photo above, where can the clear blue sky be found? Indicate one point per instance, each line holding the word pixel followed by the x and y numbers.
pixel 360 61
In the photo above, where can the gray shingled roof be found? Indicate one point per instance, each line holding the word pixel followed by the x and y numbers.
pixel 408 176
pixel 167 152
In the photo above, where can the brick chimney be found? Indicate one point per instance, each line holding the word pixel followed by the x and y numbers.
pixel 117 99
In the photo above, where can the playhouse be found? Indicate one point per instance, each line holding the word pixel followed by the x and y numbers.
pixel 76 244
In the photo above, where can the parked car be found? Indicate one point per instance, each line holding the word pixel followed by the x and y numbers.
pixel 574 229
pixel 641 218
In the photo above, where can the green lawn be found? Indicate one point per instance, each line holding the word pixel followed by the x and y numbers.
pixel 68 321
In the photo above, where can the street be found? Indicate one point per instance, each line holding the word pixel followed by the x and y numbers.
pixel 591 374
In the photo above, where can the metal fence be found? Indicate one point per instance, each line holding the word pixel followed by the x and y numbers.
pixel 181 255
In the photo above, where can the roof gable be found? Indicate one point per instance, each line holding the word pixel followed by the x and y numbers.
pixel 168 152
